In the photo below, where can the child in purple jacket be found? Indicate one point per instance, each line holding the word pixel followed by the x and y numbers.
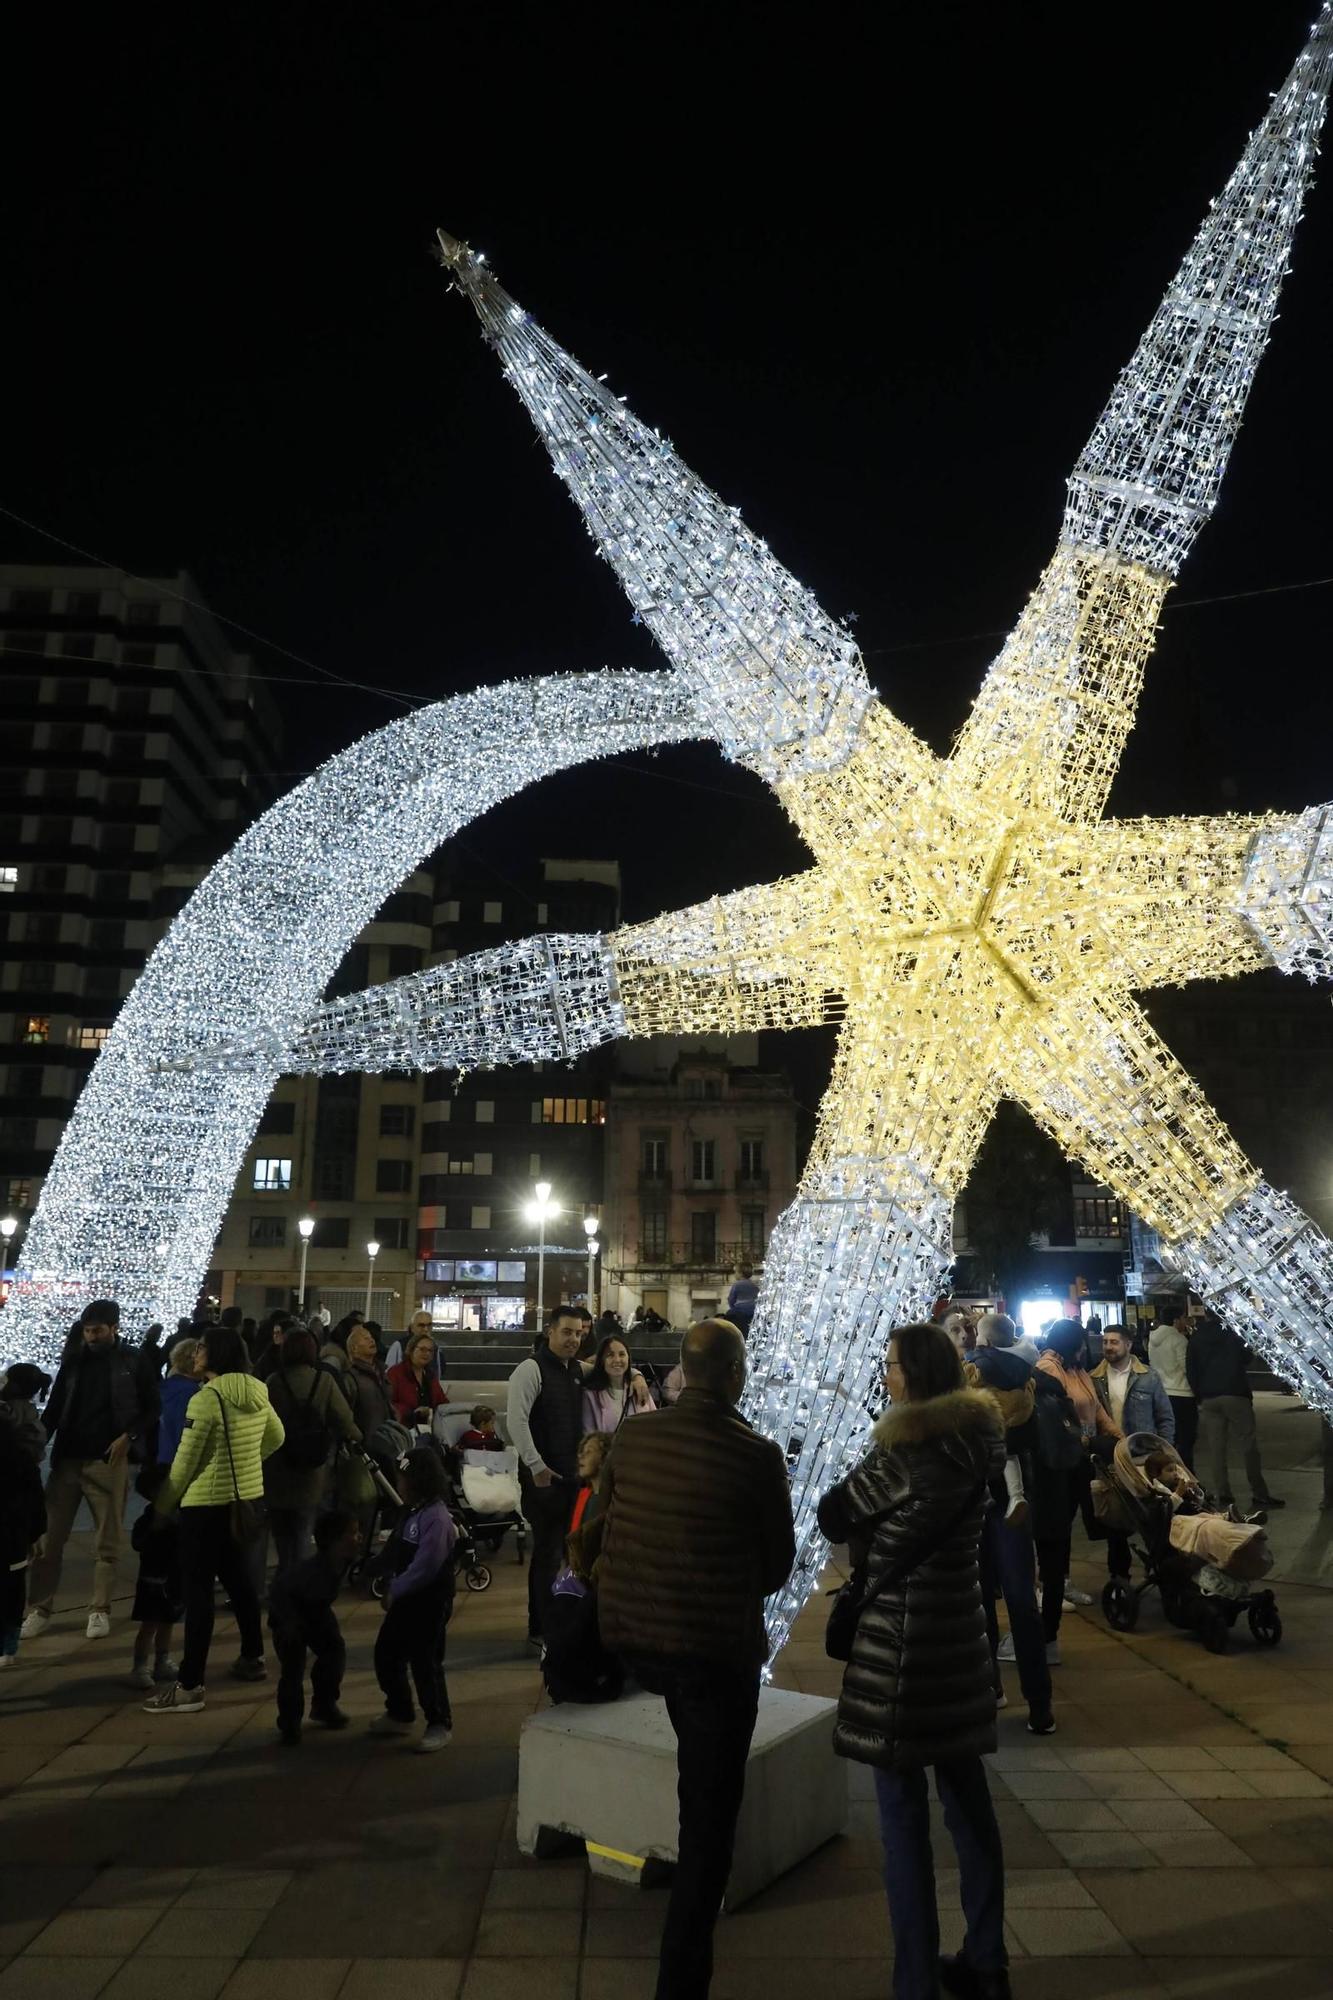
pixel 418 1601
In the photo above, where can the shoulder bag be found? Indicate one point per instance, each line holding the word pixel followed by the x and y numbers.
pixel 246 1517
pixel 853 1598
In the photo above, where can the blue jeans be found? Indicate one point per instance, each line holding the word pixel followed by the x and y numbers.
pixel 909 1871
pixel 1008 1561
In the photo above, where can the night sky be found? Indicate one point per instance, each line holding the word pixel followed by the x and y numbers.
pixel 873 270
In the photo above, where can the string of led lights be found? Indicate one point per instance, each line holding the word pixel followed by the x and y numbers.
pixel 972 922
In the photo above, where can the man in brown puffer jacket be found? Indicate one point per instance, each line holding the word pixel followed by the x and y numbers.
pixel 695 1532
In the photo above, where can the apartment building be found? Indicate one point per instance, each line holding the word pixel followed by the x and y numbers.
pixel 700 1162
pixel 136 744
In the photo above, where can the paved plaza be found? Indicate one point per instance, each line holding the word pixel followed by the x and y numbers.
pixel 1174 1839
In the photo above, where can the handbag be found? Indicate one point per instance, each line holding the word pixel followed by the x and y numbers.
pixel 245 1517
pixel 853 1598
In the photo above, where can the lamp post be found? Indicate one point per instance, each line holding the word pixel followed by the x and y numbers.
pixel 541 1211
pixel 372 1252
pixel 591 1226
pixel 307 1228
pixel 7 1229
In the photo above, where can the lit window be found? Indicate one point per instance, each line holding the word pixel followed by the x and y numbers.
pixel 573 1111
pixel 37 1028
pixel 458 1163
pixel 481 1215
pixel 492 913
pixel 20 1194
pixel 9 880
pixel 91 1038
pixel 273 1177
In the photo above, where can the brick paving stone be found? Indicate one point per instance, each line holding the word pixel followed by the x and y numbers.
pixel 1194 1849
pixel 530 1933
pixel 1073 1815
pixel 1159 1816
pixel 182 1933
pixel 397 1978
pixel 287 1979
pixel 93 1933
pixel 1026 1785
pixel 1214 1784
pixel 170 1979
pixel 1067 1933
pixel 1103 1850
pixel 137 1887
pixel 56 1978
pixel 501 1979
pixel 235 1888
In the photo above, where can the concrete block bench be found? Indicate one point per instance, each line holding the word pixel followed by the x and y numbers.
pixel 606 1775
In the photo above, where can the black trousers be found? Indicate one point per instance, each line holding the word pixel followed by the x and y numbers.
pixel 315 1631
pixel 411 1642
pixel 210 1555
pixel 1186 1410
pixel 712 1709
pixel 547 1509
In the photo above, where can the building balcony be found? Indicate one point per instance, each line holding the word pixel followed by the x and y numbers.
pixel 756 1183
pixel 686 1256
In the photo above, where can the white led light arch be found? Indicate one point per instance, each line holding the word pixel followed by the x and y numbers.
pixel 972 921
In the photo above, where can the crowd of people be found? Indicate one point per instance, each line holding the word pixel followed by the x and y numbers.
pixel 654 1544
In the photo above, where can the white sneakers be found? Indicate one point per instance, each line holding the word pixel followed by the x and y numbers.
pixel 1005 1650
pixel 34 1624
pixel 99 1625
pixel 435 1737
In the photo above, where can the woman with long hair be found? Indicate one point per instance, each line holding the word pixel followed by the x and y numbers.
pixel 230 1429
pixel 613 1388
pixel 919 1689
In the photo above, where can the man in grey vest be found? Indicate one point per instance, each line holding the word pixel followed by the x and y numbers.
pixel 545 1414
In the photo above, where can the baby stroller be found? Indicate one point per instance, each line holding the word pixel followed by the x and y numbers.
pixel 1202 1563
pixel 484 1501
pixel 383 1455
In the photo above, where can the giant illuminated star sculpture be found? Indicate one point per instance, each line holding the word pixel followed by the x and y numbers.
pixel 972 921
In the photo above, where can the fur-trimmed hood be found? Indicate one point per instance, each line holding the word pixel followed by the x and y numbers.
pixel 967 1413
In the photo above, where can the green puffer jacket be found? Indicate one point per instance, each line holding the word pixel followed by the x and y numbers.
pixel 201 1471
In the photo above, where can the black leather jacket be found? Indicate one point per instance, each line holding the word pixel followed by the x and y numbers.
pixel 919 1686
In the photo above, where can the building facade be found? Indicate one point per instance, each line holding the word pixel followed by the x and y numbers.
pixel 343 1151
pixel 700 1162
pixel 488 1137
pixel 136 744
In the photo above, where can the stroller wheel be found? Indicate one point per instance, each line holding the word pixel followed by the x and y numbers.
pixel 1265 1620
pixel 1175 1603
pixel 1120 1602
pixel 478 1577
pixel 1213 1628
pixel 377 1588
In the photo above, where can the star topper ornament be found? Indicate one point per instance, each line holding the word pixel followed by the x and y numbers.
pixel 972 921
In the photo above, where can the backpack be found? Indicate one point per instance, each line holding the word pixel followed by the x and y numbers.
pixel 305 1448
pixel 1059 1433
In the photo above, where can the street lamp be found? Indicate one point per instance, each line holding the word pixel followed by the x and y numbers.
pixel 591 1226
pixel 307 1228
pixel 541 1211
pixel 372 1251
pixel 7 1228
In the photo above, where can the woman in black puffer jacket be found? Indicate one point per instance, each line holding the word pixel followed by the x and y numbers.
pixel 919 1687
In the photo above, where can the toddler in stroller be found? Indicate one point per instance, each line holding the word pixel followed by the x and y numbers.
pixel 1202 1562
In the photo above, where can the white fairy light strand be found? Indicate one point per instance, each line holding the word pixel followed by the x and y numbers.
pixel 970 921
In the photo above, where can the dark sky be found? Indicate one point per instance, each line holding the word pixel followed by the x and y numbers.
pixel 874 270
